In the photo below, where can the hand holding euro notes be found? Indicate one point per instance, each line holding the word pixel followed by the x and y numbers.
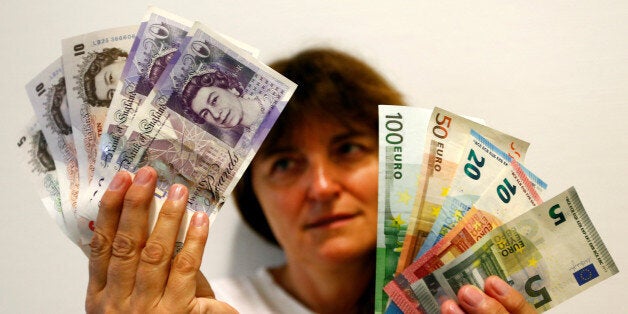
pixel 463 207
pixel 456 202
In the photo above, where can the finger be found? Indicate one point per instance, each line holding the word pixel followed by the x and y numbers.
pixel 203 289
pixel 131 234
pixel 154 266
pixel 213 306
pixel 181 285
pixel 105 229
pixel 472 300
pixel 511 299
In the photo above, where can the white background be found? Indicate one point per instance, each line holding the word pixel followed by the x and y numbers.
pixel 552 72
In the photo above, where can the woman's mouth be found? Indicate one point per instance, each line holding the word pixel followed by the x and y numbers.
pixel 330 221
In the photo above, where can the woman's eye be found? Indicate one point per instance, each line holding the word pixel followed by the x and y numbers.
pixel 350 149
pixel 282 164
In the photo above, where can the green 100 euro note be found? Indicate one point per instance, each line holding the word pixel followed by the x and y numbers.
pixel 402 132
pixel 549 254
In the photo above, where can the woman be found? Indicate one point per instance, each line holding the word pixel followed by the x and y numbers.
pixel 312 188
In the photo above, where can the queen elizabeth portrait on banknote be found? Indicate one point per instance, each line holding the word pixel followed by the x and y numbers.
pixel 101 77
pixel 214 101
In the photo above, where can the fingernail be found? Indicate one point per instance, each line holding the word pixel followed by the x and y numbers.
pixel 143 176
pixel 500 286
pixel 198 219
pixel 117 182
pixel 472 296
pixel 176 192
pixel 453 308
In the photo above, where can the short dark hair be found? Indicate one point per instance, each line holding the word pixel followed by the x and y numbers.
pixel 331 85
pixel 104 58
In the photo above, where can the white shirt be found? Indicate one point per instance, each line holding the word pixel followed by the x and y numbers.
pixel 257 293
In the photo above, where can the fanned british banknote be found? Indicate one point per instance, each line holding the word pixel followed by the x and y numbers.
pixel 36 159
pixel 203 121
pixel 158 39
pixel 47 94
pixel 549 254
pixel 92 64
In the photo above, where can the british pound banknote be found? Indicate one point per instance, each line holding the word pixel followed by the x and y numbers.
pixel 92 64
pixel 157 41
pixel 203 121
pixel 33 152
pixel 549 254
pixel 47 94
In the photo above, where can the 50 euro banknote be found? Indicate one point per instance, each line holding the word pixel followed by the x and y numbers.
pixel 549 254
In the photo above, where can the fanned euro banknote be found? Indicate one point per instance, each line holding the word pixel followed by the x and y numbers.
pixel 549 254
pixel 399 169
pixel 447 135
pixel 508 196
pixel 482 162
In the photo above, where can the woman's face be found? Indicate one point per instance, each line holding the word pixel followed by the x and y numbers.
pixel 318 191
pixel 217 106
pixel 107 79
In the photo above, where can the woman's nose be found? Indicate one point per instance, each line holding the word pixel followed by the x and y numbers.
pixel 324 183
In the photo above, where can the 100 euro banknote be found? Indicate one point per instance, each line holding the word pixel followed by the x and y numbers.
pixel 399 168
pixel 549 254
